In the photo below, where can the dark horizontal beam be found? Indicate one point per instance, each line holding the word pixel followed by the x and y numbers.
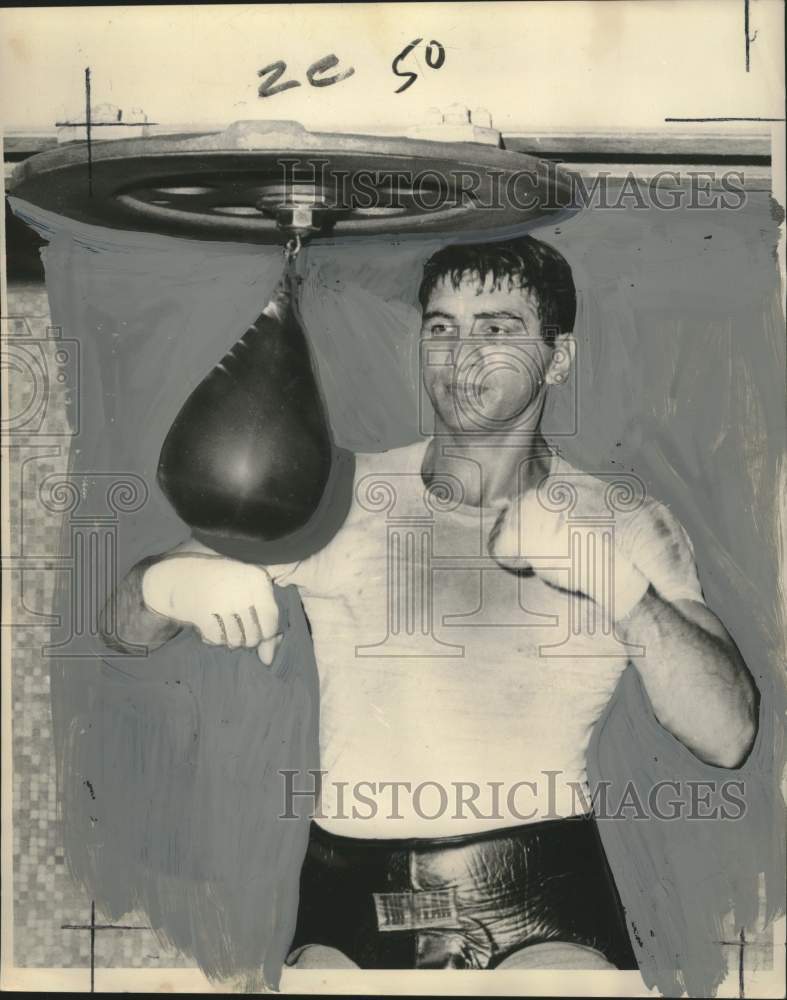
pixel 689 159
pixel 699 144
pixel 693 144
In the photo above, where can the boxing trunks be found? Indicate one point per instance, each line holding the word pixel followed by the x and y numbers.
pixel 463 902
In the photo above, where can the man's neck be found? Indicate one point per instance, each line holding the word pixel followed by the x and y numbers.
pixel 493 469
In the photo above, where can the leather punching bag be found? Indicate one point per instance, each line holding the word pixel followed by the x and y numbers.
pixel 248 458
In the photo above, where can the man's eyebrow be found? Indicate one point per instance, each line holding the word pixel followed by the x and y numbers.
pixel 437 313
pixel 501 314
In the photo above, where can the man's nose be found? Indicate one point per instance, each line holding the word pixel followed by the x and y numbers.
pixel 479 351
pixel 487 354
pixel 479 362
pixel 472 357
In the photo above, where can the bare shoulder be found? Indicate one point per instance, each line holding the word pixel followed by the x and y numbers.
pixel 394 461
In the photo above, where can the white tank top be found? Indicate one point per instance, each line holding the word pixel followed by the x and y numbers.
pixel 455 697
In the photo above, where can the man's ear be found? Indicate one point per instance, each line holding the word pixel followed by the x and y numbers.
pixel 562 359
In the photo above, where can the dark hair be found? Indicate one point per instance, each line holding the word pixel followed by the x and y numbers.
pixel 533 265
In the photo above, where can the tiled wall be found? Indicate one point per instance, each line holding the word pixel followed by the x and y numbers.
pixel 36 442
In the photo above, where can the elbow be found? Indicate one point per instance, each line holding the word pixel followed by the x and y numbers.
pixel 107 629
pixel 104 628
pixel 732 756
pixel 741 750
pixel 741 735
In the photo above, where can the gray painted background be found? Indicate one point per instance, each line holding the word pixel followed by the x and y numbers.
pixel 679 378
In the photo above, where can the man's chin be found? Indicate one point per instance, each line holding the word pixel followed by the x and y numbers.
pixel 477 423
pixel 487 416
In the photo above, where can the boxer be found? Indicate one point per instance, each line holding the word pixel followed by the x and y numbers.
pixel 435 660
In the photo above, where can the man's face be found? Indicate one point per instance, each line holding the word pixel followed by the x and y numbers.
pixel 483 355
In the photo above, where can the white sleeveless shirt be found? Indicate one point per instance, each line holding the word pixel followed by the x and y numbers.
pixel 474 688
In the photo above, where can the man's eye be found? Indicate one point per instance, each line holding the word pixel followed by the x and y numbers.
pixel 496 328
pixel 442 330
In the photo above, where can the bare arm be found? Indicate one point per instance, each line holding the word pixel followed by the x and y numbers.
pixel 698 684
pixel 695 677
pixel 228 603
pixel 127 622
pixel 700 688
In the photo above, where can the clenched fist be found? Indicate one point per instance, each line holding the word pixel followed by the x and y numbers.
pixel 529 535
pixel 229 603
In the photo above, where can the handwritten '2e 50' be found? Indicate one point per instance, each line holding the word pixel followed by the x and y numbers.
pixel 434 56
